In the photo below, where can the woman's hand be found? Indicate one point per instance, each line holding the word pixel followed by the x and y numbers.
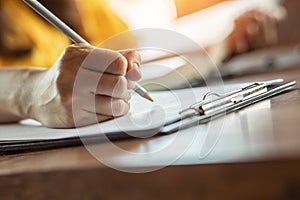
pixel 86 85
pixel 254 29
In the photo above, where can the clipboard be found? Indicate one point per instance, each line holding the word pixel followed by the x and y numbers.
pixel 204 111
pixel 198 113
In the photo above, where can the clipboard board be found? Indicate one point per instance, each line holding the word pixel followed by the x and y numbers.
pixel 196 114
pixel 204 111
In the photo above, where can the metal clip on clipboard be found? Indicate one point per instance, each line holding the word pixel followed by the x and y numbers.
pixel 204 111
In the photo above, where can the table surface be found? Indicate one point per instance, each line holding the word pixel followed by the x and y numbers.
pixel 261 143
pixel 268 130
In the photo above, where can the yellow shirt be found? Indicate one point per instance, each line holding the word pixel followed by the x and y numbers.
pixel 45 42
pixel 185 7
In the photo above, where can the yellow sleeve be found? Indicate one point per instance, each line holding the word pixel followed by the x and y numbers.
pixel 185 7
pixel 98 21
pixel 47 43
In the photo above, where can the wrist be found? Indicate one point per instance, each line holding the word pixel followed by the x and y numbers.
pixel 25 96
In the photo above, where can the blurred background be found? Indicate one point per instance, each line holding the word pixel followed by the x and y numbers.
pixel 160 13
pixel 289 30
pixel 75 179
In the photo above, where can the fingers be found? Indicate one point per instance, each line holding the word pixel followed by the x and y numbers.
pixel 134 61
pixel 103 94
pixel 253 29
pixel 261 29
pixel 121 63
pixel 96 82
pixel 89 118
pixel 102 84
pixel 130 84
pixel 132 55
pixel 93 77
pixel 269 29
pixel 103 60
pixel 134 73
pixel 113 86
pixel 280 14
pixel 107 106
pixel 95 59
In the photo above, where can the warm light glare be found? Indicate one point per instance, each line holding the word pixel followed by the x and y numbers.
pixel 145 13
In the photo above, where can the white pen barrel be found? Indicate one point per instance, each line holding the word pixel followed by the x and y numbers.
pixel 55 21
pixel 140 90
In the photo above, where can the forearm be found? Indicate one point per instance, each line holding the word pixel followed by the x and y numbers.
pixel 16 93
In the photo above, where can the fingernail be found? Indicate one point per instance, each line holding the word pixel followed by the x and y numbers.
pixel 135 65
pixel 134 74
pixel 138 70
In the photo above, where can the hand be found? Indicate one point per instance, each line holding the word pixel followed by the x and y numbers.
pixel 86 83
pixel 254 29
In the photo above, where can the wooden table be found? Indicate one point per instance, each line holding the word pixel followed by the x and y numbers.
pixel 263 161
pixel 256 155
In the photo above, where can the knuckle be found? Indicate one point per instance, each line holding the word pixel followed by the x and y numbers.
pixel 134 56
pixel 70 48
pixel 75 52
pixel 120 86
pixel 119 108
pixel 117 80
pixel 120 64
pixel 122 83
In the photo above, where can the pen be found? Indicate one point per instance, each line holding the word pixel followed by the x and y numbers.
pixel 76 38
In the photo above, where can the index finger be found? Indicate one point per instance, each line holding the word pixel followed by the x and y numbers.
pixel 106 61
pixel 134 61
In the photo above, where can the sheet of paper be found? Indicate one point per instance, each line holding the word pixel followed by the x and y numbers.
pixel 144 115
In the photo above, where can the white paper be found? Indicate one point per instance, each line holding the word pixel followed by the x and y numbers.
pixel 144 115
